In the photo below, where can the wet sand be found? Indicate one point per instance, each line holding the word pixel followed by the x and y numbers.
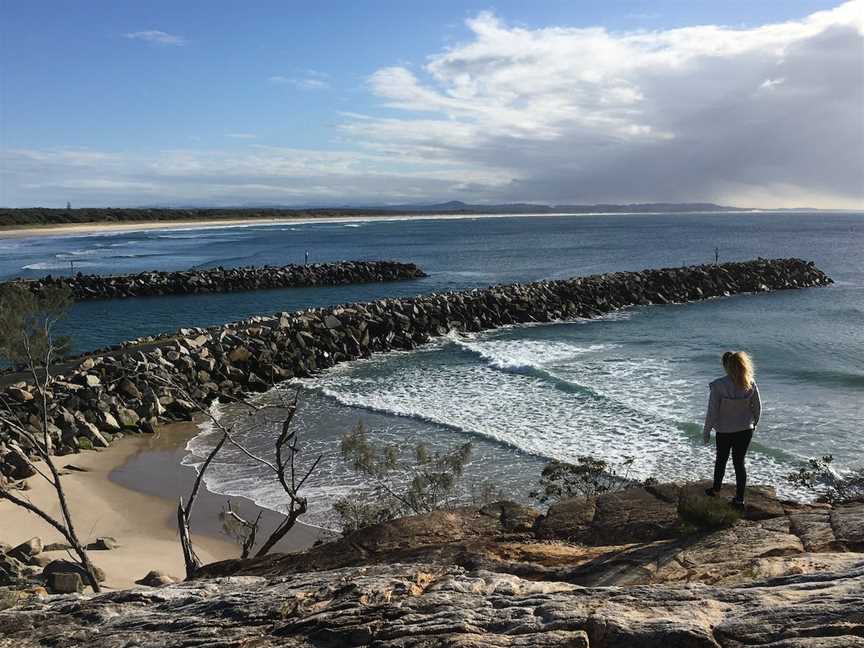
pixel 129 491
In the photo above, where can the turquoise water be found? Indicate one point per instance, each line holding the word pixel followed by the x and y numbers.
pixel 632 384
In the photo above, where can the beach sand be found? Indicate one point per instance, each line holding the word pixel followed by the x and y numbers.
pixel 72 229
pixel 130 492
pixel 67 229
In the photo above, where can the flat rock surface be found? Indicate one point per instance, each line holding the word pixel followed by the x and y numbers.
pixel 408 606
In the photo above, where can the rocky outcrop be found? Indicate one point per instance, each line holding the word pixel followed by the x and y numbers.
pixel 630 537
pixel 425 606
pixel 104 396
pixel 218 280
pixel 487 578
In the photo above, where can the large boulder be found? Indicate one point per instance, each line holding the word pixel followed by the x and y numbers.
pixel 26 550
pixel 69 567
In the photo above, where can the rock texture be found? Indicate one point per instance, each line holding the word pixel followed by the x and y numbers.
pixel 426 605
pixel 487 578
pixel 104 396
pixel 217 280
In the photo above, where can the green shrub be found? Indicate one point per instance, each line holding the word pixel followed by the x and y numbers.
pixel 818 476
pixel 706 513
pixel 400 480
pixel 588 477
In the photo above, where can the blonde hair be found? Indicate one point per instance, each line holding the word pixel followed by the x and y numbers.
pixel 739 366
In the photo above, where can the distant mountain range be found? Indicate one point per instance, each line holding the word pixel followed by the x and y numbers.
pixel 459 207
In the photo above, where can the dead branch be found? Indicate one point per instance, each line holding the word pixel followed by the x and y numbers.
pixel 284 469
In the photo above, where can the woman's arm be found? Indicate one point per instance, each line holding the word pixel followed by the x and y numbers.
pixel 756 405
pixel 711 414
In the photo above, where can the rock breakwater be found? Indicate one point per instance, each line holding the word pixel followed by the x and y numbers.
pixel 107 395
pixel 218 280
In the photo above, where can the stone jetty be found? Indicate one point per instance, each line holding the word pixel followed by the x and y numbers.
pixel 219 280
pixel 104 396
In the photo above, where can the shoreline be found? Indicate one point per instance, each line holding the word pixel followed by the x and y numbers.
pixel 129 491
pixel 82 229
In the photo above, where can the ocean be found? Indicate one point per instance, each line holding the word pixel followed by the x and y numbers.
pixel 632 384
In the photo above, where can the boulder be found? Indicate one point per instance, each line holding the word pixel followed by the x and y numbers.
pixel 64 583
pixel 15 464
pixel 105 543
pixel 127 418
pixel 26 550
pixel 11 569
pixel 92 433
pixel 240 355
pixel 19 394
pixel 69 567
pixel 109 423
pixel 157 579
pixel 128 388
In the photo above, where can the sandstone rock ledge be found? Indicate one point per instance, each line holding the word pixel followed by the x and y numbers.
pixel 786 576
pixel 422 606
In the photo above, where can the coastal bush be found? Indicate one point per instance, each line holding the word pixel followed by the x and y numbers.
pixel 819 476
pixel 706 513
pixel 426 482
pixel 588 477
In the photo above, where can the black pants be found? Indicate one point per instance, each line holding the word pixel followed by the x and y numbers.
pixel 737 442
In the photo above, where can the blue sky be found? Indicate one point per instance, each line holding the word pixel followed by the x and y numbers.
pixel 120 103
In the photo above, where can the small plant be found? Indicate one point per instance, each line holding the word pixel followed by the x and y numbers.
pixel 819 476
pixel 706 513
pixel 429 483
pixel 588 477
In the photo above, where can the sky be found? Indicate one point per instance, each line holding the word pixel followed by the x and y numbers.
pixel 756 103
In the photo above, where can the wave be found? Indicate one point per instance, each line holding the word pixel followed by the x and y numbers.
pixel 49 265
pixel 832 377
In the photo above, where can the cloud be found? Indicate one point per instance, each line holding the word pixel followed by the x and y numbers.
pixel 767 116
pixel 309 80
pixel 256 174
pixel 246 136
pixel 156 37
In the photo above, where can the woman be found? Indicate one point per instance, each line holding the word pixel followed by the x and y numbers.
pixel 734 408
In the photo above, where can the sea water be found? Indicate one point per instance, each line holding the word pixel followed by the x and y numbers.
pixel 631 384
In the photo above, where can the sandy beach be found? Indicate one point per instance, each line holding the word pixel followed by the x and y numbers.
pixel 72 229
pixel 129 491
pixel 132 226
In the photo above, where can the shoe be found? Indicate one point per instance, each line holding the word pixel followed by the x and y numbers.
pixel 739 504
pixel 710 492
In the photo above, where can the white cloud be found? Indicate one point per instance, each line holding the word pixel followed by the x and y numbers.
pixel 763 116
pixel 308 80
pixel 588 115
pixel 246 136
pixel 156 37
